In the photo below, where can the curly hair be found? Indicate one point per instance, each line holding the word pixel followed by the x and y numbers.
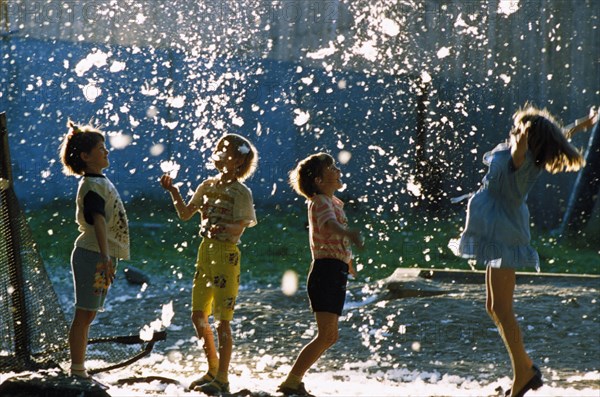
pixel 79 139
pixel 302 178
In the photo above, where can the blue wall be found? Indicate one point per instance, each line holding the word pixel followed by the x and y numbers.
pixel 373 117
pixel 40 91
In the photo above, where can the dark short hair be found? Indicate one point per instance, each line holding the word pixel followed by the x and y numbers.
pixel 302 178
pixel 79 139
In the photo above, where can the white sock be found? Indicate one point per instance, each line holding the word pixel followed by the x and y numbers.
pixel 79 370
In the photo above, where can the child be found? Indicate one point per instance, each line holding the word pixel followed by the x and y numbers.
pixel 226 208
pixel 497 226
pixel 317 179
pixel 104 233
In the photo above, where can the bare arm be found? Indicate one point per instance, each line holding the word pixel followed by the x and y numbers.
pixel 583 123
pixel 334 226
pixel 184 211
pixel 518 146
pixel 102 239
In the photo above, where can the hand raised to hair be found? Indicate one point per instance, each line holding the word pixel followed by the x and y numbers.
pixel 519 136
pixel 518 144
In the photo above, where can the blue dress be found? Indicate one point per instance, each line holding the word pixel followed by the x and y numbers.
pixel 497 227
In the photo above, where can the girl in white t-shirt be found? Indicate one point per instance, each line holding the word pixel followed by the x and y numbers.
pixel 104 233
pixel 226 209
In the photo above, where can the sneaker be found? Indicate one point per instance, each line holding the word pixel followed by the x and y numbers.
pixel 207 378
pixel 299 391
pixel 214 388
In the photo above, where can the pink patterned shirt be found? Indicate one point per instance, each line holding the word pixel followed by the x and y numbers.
pixel 324 244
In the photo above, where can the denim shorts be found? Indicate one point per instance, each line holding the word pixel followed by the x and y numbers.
pixel 90 283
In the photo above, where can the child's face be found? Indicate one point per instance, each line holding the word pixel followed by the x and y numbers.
pixel 97 158
pixel 330 181
pixel 226 158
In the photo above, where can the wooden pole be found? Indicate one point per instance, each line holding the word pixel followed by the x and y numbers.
pixel 4 15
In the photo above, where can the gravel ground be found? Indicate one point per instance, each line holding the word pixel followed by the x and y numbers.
pixel 383 333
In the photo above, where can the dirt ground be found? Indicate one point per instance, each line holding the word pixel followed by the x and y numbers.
pixel 445 334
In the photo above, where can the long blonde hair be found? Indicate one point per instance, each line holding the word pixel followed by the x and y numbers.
pixel 547 141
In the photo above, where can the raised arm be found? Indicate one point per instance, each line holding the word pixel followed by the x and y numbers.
pixel 184 211
pixel 518 145
pixel 583 123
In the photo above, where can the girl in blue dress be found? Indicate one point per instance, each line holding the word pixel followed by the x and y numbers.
pixel 497 234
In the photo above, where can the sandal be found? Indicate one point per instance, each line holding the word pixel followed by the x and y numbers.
pixel 214 387
pixel 207 378
pixel 299 391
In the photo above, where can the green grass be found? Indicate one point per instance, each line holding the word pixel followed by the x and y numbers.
pixel 162 244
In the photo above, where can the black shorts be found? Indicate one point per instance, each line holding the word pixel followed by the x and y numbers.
pixel 326 285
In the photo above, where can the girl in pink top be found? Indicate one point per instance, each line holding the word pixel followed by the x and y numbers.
pixel 317 178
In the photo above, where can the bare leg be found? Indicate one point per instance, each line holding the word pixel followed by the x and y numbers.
pixel 204 332
pixel 225 349
pixel 327 335
pixel 78 337
pixel 500 285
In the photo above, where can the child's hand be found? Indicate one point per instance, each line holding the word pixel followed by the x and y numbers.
pixel 594 115
pixel 351 269
pixel 167 183
pixel 584 123
pixel 521 137
pixel 520 133
pixel 108 269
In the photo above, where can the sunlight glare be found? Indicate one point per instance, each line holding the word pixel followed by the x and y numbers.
pixel 289 283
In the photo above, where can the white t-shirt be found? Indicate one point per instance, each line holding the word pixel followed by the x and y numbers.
pixel 97 194
pixel 223 204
